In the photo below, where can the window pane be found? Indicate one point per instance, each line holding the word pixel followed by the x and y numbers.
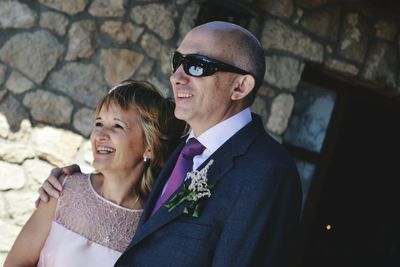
pixel 306 171
pixel 310 119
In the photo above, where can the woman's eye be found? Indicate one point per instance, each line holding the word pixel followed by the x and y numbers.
pixel 118 126
pixel 98 124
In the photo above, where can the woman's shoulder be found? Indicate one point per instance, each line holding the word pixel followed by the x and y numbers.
pixel 74 180
pixel 73 199
pixel 75 187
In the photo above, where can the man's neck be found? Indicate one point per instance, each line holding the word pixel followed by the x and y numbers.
pixel 199 128
pixel 217 135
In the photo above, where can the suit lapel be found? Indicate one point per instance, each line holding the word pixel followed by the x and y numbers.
pixel 236 146
pixel 223 162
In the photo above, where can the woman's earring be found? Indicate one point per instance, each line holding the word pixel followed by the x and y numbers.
pixel 144 158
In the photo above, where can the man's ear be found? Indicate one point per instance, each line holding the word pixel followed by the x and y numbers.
pixel 244 86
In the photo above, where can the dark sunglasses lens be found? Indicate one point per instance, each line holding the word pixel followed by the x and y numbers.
pixel 194 66
pixel 176 61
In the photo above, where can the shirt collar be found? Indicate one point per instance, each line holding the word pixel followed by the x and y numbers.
pixel 217 135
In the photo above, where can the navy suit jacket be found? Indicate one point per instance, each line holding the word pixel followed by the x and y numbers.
pixel 249 220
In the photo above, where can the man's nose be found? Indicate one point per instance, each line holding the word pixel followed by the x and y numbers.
pixel 179 76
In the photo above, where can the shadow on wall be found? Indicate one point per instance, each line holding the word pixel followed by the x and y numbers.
pixel 12 110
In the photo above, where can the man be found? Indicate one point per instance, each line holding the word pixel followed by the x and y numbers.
pixel 253 204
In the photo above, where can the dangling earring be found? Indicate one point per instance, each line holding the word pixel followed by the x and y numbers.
pixel 144 158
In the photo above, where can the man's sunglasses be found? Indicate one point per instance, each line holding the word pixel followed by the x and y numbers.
pixel 200 66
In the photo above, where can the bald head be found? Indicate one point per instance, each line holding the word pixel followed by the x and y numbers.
pixel 236 45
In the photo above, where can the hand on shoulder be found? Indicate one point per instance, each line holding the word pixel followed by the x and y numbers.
pixel 52 186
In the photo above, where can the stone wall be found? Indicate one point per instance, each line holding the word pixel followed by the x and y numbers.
pixel 57 58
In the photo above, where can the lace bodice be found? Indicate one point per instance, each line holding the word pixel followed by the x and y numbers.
pixel 83 211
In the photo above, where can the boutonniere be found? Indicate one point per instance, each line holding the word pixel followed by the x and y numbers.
pixel 195 193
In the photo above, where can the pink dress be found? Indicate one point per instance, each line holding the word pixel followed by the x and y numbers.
pixel 88 230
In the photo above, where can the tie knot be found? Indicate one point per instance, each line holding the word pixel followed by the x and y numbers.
pixel 192 148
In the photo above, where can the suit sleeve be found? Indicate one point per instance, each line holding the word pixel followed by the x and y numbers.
pixel 262 222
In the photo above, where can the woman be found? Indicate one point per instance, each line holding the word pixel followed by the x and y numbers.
pixel 97 214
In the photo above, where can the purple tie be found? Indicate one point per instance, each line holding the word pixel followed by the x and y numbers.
pixel 182 167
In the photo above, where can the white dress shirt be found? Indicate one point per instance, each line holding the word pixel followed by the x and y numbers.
pixel 217 135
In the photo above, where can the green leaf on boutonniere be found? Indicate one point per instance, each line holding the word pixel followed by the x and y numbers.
pixel 195 193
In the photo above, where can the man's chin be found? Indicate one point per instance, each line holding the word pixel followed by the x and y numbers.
pixel 181 114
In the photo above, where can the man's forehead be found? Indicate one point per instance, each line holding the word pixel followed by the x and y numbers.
pixel 207 43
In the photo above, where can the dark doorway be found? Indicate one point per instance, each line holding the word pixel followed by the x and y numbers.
pixel 224 10
pixel 356 220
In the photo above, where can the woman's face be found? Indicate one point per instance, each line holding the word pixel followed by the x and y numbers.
pixel 117 139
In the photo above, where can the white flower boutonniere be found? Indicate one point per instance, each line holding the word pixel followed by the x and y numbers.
pixel 195 193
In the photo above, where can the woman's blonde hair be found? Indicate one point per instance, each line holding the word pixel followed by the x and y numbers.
pixel 162 131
